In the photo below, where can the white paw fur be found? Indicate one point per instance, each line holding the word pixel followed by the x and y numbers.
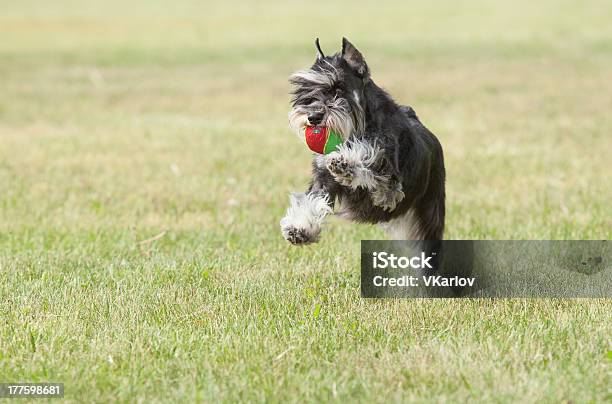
pixel 304 217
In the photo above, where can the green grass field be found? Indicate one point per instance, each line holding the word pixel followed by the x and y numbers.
pixel 145 162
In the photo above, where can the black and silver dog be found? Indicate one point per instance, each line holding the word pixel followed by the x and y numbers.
pixel 390 168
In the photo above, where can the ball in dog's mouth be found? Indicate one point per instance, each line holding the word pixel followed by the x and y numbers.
pixel 321 139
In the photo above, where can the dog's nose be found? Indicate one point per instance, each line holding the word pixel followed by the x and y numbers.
pixel 315 118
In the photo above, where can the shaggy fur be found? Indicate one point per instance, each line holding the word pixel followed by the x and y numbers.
pixel 389 170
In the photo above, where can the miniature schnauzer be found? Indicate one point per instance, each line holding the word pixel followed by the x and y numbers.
pixel 390 167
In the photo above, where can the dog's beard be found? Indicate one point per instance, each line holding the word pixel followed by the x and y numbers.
pixel 338 117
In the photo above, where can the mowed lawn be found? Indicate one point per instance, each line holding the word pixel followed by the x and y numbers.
pixel 145 162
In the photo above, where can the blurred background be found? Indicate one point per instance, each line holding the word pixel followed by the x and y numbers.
pixel 146 160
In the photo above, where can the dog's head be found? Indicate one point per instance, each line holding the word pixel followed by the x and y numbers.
pixel 331 92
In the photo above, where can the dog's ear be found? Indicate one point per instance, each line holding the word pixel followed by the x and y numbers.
pixel 320 54
pixel 354 58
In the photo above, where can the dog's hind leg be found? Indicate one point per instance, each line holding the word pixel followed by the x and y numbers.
pixel 428 223
pixel 425 219
pixel 388 194
pixel 430 209
pixel 423 222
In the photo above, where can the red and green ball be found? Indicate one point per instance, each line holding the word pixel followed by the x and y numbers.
pixel 321 139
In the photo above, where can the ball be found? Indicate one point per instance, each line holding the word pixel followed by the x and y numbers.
pixel 321 139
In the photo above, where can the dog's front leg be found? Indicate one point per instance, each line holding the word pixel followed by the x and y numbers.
pixel 304 218
pixel 359 164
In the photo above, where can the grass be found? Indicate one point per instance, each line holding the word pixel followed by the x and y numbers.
pixel 145 162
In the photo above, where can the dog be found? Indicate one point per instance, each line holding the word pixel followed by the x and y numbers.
pixel 389 170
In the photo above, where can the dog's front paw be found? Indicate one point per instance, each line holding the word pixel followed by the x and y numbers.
pixel 299 236
pixel 302 223
pixel 342 170
pixel 387 197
